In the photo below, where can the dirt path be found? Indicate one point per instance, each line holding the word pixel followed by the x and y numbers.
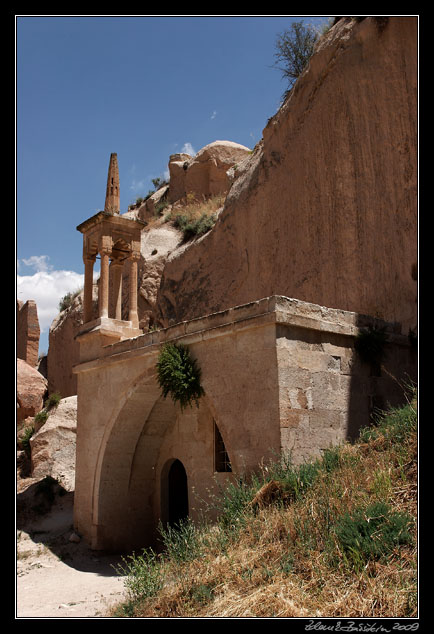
pixel 56 577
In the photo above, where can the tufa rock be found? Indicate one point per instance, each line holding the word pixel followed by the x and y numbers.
pixel 205 174
pixel 53 446
pixel 28 332
pixel 31 391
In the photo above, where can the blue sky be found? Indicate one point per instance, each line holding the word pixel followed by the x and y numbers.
pixel 144 87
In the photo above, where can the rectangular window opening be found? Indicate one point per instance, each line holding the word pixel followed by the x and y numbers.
pixel 221 458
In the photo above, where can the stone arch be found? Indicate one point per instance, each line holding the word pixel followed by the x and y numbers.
pixel 144 437
pixel 174 492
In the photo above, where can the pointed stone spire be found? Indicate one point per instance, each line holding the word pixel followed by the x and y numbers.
pixel 112 197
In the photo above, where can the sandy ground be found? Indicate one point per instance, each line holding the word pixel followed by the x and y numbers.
pixel 55 577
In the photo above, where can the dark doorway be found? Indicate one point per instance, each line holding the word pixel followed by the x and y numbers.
pixel 178 493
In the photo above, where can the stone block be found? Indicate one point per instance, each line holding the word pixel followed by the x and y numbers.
pixel 294 418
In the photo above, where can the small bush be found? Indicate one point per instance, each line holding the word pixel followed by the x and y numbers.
pixel 52 400
pixel 371 533
pixel 182 542
pixel 179 375
pixel 395 426
pixel 143 575
pixel 161 206
pixel 233 503
pixel 194 228
pixel 294 48
pixel 25 438
pixel 41 417
pixel 68 299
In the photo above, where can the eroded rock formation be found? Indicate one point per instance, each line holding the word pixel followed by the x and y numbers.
pixel 53 445
pixel 28 332
pixel 31 391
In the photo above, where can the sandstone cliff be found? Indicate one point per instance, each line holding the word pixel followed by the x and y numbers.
pixel 325 209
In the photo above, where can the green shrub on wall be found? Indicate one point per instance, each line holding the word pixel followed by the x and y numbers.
pixel 179 375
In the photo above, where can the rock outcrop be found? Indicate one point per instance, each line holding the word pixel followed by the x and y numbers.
pixel 28 332
pixel 325 209
pixel 205 174
pixel 198 177
pixel 31 391
pixel 53 445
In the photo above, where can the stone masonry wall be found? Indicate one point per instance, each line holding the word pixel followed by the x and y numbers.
pixel 278 374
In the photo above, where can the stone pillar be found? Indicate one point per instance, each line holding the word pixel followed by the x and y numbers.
pixel 116 269
pixel 133 314
pixel 104 282
pixel 112 198
pixel 88 287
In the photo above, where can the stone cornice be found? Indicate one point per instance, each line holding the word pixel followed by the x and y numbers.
pixel 274 310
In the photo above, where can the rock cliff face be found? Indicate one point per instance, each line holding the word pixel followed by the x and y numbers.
pixel 63 349
pixel 325 209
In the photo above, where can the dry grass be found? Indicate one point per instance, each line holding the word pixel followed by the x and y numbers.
pixel 192 215
pixel 195 216
pixel 284 560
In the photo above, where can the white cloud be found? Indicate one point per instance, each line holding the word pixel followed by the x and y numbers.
pixel 188 149
pixel 38 262
pixel 214 114
pixel 46 287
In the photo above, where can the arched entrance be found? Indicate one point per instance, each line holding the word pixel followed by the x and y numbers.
pixel 177 493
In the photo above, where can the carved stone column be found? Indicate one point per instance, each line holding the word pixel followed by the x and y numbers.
pixel 116 269
pixel 88 287
pixel 105 251
pixel 133 314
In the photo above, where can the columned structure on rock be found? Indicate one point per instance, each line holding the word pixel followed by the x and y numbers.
pixel 116 241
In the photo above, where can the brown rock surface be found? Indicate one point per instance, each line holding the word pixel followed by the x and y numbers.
pixel 28 332
pixel 206 173
pixel 63 349
pixel 31 390
pixel 53 446
pixel 325 210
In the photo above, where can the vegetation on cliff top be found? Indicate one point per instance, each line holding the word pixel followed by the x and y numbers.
pixel 196 216
pixel 331 538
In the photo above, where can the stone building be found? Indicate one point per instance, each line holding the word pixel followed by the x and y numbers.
pixel 281 375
